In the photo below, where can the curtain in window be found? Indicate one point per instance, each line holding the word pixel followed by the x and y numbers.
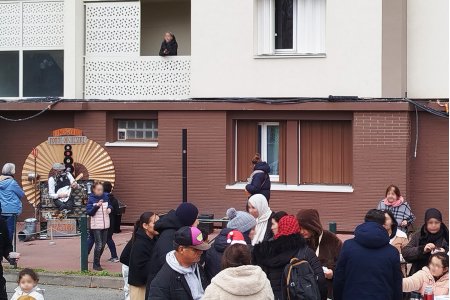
pixel 246 147
pixel 326 152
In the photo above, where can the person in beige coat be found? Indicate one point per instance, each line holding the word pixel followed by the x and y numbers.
pixel 398 238
pixel 238 279
pixel 434 275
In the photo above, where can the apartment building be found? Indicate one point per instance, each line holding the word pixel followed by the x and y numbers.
pixel 250 76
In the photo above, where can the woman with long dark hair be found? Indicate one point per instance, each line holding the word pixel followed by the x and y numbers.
pixel 143 241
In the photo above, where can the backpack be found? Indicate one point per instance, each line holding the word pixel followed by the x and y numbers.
pixel 299 280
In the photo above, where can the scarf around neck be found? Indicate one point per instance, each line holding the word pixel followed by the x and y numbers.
pixel 396 203
pixel 427 237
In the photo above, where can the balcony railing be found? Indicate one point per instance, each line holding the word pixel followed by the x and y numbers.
pixel 137 78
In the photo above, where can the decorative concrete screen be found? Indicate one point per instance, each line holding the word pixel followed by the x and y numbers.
pixel 43 24
pixel 113 67
pixel 113 28
pixel 31 24
pixel 10 25
pixel 140 78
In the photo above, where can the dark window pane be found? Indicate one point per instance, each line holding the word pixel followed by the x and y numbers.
pixel 9 74
pixel 122 124
pixel 43 73
pixel 284 12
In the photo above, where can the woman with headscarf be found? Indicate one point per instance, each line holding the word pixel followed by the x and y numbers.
pixel 395 203
pixel 260 210
pixel 10 196
pixel 432 238
pixel 325 243
pixel 274 255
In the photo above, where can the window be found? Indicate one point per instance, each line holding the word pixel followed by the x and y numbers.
pixel 43 73
pixel 39 73
pixel 266 138
pixel 137 130
pixel 269 145
pixel 326 152
pixel 291 27
pixel 9 73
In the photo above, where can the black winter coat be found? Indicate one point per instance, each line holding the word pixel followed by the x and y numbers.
pixel 140 258
pixel 170 285
pixel 166 226
pixel 113 216
pixel 261 181
pixel 5 243
pixel 126 252
pixel 213 256
pixel 273 256
pixel 368 266
pixel 171 47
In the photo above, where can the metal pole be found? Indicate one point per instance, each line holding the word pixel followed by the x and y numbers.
pixel 84 248
pixel 184 163
pixel 15 232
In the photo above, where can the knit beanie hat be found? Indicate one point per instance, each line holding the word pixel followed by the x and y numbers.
pixel 288 225
pixel 187 213
pixel 433 213
pixel 309 219
pixel 240 220
pixel 235 237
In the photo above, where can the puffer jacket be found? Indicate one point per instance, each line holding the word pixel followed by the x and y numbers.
pixel 99 214
pixel 244 282
pixel 10 195
pixel 274 255
pixel 423 278
pixel 259 183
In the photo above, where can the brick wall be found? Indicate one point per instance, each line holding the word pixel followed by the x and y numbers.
pixel 429 169
pixel 150 178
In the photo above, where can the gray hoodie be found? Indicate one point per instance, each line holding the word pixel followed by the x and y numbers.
pixel 191 274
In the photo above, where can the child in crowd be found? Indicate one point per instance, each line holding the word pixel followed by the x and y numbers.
pixel 99 209
pixel 434 275
pixel 28 280
pixel 169 46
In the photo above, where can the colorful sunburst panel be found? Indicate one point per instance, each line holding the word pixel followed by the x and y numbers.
pixel 90 159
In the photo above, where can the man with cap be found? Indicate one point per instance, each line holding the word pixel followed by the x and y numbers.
pixel 185 215
pixel 180 278
pixel 237 220
pixel 59 188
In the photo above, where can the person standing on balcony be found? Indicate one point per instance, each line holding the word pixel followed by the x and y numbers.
pixel 169 46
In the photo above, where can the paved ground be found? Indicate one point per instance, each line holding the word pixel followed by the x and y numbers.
pixel 73 293
pixel 64 254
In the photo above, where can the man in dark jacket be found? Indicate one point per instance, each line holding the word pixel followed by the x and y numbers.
pixel 368 266
pixel 5 248
pixel 180 277
pixel 259 181
pixel 185 215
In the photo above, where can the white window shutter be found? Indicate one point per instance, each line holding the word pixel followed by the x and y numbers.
pixel 311 26
pixel 266 27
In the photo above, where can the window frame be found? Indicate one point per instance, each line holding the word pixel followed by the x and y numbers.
pixel 136 140
pixel 21 48
pixel 265 32
pixel 264 125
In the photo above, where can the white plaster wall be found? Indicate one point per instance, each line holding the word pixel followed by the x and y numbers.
pixel 159 17
pixel 73 48
pixel 428 49
pixel 223 63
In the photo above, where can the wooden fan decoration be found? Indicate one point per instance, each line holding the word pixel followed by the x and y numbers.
pixel 89 159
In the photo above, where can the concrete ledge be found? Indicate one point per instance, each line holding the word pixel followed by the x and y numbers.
pixel 71 280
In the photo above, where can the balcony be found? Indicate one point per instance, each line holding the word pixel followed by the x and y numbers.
pixel 138 78
pixel 121 47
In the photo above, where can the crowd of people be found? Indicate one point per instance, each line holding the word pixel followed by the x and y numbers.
pixel 261 254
